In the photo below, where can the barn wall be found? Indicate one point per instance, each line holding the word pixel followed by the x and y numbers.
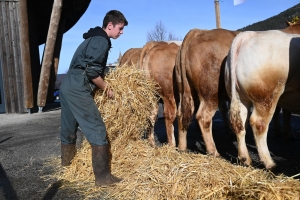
pixel 10 57
pixel 2 105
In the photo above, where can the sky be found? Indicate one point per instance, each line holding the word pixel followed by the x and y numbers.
pixel 177 16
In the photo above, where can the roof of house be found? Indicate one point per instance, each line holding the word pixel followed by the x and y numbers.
pixel 72 11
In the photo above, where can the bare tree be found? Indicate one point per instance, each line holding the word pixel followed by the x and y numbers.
pixel 160 33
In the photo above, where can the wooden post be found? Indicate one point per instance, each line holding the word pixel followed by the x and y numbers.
pixel 48 54
pixel 217 9
pixel 55 62
pixel 25 55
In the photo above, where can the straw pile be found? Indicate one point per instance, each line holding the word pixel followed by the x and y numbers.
pixel 163 172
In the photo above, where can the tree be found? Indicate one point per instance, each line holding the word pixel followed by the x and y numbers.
pixel 160 33
pixel 295 19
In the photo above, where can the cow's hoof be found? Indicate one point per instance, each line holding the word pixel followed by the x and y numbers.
pixel 245 162
pixel 271 167
pixel 182 150
pixel 214 154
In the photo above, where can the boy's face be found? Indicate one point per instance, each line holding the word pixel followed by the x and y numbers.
pixel 114 31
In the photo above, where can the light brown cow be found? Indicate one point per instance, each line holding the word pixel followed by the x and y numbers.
pixel 199 73
pixel 271 59
pixel 130 57
pixel 158 62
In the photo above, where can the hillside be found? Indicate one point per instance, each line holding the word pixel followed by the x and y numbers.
pixel 275 22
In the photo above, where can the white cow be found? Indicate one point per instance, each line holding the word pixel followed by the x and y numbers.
pixel 262 70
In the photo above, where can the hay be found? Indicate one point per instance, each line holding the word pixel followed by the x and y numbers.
pixel 163 173
pixel 127 115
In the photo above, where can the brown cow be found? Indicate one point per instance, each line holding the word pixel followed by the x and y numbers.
pixel 199 73
pixel 159 61
pixel 145 50
pixel 130 57
pixel 202 56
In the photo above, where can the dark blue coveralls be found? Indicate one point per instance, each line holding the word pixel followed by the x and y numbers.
pixel 76 91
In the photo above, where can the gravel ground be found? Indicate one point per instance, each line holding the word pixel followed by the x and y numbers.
pixel 29 141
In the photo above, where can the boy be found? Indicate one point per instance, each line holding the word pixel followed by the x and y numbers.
pixel 85 73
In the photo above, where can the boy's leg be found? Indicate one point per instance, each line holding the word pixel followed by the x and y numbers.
pixel 67 134
pixel 93 127
pixel 89 119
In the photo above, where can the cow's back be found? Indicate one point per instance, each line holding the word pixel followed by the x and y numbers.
pixel 144 51
pixel 130 57
pixel 206 57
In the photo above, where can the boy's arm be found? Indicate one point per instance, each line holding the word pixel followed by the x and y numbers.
pixel 95 56
pixel 100 83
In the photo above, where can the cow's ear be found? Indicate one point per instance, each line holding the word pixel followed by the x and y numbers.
pixel 289 23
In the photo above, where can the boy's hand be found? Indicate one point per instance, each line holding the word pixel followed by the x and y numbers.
pixel 110 93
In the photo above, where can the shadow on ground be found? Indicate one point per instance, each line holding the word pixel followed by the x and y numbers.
pixel 286 153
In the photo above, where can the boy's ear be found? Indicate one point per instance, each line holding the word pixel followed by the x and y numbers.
pixel 110 25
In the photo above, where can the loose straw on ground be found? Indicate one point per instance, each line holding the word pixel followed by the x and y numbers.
pixel 162 172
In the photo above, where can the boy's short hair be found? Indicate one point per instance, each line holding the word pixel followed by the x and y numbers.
pixel 115 17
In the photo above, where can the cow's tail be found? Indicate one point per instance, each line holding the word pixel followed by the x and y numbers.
pixel 187 102
pixel 235 117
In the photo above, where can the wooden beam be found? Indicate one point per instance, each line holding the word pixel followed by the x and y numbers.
pixel 55 62
pixel 25 54
pixel 48 54
pixel 7 60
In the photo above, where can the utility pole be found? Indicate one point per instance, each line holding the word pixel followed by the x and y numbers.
pixel 217 9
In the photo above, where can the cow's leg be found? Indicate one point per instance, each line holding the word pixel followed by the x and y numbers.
pixel 276 120
pixel 243 153
pixel 223 107
pixel 182 132
pixel 151 137
pixel 287 129
pixel 259 120
pixel 184 115
pixel 204 117
pixel 169 115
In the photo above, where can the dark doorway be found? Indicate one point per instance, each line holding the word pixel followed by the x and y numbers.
pixel 2 101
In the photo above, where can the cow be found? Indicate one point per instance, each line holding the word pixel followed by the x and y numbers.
pixel 158 60
pixel 130 57
pixel 286 129
pixel 262 70
pixel 199 74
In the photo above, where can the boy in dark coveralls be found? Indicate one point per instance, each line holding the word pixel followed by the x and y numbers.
pixel 85 73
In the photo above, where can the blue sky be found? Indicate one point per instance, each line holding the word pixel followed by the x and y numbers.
pixel 178 16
